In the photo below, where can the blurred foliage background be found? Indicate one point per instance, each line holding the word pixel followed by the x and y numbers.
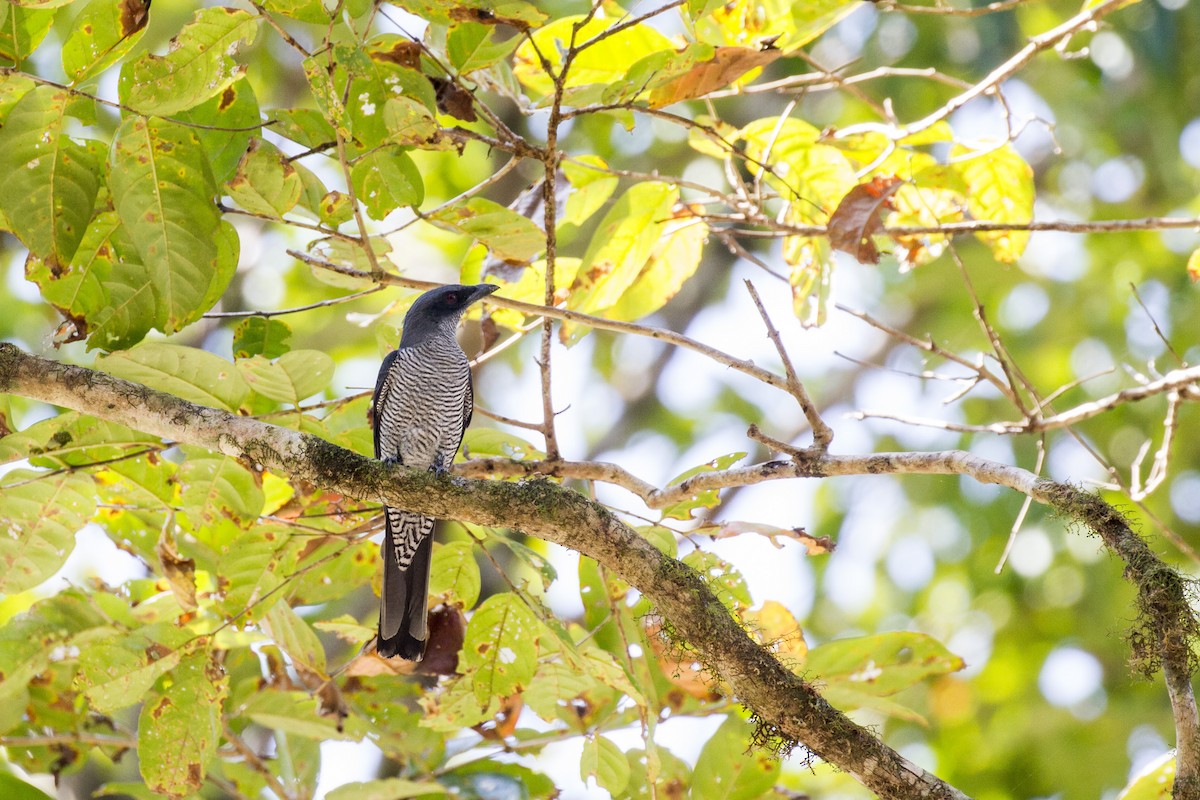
pixel 1046 705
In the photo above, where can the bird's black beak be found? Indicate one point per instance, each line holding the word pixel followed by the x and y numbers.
pixel 482 290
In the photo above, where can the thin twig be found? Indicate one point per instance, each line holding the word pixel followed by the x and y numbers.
pixel 822 433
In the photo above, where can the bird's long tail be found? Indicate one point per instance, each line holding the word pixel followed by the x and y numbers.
pixel 407 552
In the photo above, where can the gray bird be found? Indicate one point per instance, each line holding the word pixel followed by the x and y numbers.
pixel 422 405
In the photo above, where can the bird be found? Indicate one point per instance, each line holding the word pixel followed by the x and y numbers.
pixel 421 407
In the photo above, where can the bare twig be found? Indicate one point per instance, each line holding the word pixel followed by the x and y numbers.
pixel 822 433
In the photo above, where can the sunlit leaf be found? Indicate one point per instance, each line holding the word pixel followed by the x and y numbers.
pixel 385 789
pixel 387 179
pixel 865 671
pixel 726 582
pixel 1155 781
pixel 296 638
pixel 673 260
pixel 454 573
pixel 600 66
pixel 186 372
pixel 226 123
pixel 724 68
pixel 604 761
pixel 749 23
pixel 290 378
pixel 590 188
pixel 197 66
pixel 22 30
pixel 216 485
pixel 39 515
pixel 51 180
pixel 727 771
pixel 506 233
pixel 999 189
pixel 179 725
pixel 163 190
pixel 265 182
pixel 101 34
pixel 622 244
pixel 500 650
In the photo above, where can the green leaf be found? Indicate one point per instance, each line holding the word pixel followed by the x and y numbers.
pixel 492 442
pixel 179 726
pixel 591 187
pixel 562 691
pixel 604 761
pixel 472 46
pixel 621 245
pixel 861 672
pixel 999 189
pixel 163 191
pixel 1155 781
pixel 726 582
pixel 261 336
pixel 290 378
pixel 507 234
pixel 304 126
pixel 454 573
pixel 409 122
pixel 297 713
pixel 705 499
pixel 265 183
pixel 13 788
pixel 385 789
pixel 22 30
pixel 216 485
pixel 73 439
pixel 787 24
pixel 387 179
pixel 119 673
pixel 196 67
pixel 296 638
pixel 101 34
pixel 227 123
pixel 187 372
pixel 303 10
pixel 39 515
pixel 51 181
pixel 253 566
pixel 106 291
pixel 500 647
pixel 333 208
pixel 673 260
pixel 726 771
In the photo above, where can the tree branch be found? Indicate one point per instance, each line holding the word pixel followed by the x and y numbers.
pixel 789 708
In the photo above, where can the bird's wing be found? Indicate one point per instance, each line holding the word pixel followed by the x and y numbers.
pixel 384 384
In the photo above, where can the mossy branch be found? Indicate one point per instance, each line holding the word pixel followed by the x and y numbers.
pixel 786 705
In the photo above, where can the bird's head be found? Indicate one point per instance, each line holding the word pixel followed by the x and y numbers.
pixel 438 311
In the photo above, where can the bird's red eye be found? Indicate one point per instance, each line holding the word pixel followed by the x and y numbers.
pixel 450 300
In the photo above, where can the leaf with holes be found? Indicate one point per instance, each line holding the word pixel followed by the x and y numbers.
pixel 197 66
pixel 38 522
pixel 101 34
pixel 51 181
pixel 387 179
pixel 179 727
pixel 863 672
pixel 500 649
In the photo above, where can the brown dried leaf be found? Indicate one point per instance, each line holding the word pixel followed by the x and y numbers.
pixel 454 100
pixel 813 545
pixel 447 627
pixel 180 572
pixel 726 66
pixel 858 217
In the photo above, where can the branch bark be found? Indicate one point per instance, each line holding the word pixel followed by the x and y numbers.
pixel 787 705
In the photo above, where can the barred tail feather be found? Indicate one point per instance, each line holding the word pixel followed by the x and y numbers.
pixel 407 555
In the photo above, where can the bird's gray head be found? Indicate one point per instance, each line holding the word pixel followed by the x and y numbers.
pixel 437 312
